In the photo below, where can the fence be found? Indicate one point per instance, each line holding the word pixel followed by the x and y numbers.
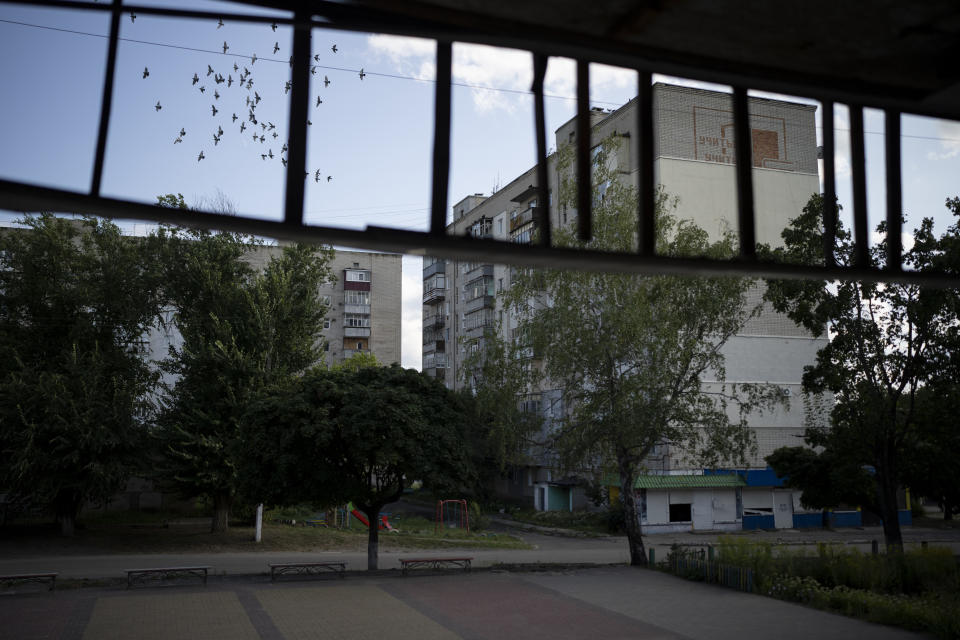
pixel 695 566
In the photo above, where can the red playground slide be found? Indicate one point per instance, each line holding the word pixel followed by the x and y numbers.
pixel 384 523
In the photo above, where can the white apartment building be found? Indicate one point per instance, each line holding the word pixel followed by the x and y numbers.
pixel 694 162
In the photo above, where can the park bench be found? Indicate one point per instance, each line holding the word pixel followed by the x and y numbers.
pixel 30 577
pixel 435 563
pixel 306 568
pixel 141 576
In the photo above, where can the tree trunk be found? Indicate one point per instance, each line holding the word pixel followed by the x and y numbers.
pixel 66 505
pixel 628 495
pixel 221 513
pixel 373 537
pixel 887 495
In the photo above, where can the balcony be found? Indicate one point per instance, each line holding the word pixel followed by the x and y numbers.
pixel 434 346
pixel 483 302
pixel 434 295
pixel 434 269
pixel 522 218
pixel 356 332
pixel 479 271
pixel 435 361
pixel 349 353
pixel 434 322
pixel 362 309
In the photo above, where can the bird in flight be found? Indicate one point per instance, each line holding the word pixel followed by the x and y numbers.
pixel 263 156
pixel 271 125
pixel 216 94
pixel 183 131
pixel 286 87
pixel 249 84
pixel 229 81
pixel 158 107
pixel 329 178
pixel 316 176
pixel 255 136
pixel 291 62
pixel 263 125
pixel 262 139
pixel 146 72
pixel 201 156
pixel 234 119
pixel 333 48
pixel 225 47
pixel 270 153
pixel 253 59
pixel 316 57
pixel 219 22
pixel 196 79
pixel 216 139
pixel 243 126
pixel 309 123
pixel 276 47
pixel 274 26
pixel 284 161
pixel 284 150
pixel 219 130
pixel 177 140
pixel 313 71
pixel 362 73
pixel 202 89
pixel 235 67
pixel 133 17
pixel 274 135
pixel 214 109
pixel 256 97
pixel 326 81
pixel 319 101
pixel 209 70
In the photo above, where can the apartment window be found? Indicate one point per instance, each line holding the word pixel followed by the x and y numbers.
pixel 359 346
pixel 326 300
pixel 326 346
pixel 356 320
pixel 356 265
pixel 643 505
pixel 358 276
pixel 500 284
pixel 499 226
pixel 326 323
pixel 358 297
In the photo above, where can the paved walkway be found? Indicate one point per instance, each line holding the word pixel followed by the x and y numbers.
pixel 606 603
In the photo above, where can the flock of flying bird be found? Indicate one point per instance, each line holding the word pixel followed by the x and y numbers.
pixel 245 80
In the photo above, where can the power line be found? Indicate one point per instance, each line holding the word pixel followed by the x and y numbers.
pixel 388 75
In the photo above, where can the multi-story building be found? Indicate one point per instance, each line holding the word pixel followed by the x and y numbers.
pixel 695 163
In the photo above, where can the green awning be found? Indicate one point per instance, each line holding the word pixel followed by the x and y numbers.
pixel 683 482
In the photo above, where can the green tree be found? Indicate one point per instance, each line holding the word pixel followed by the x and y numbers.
pixel 629 353
pixel 77 301
pixel 885 342
pixel 361 435
pixel 242 328
pixel 930 468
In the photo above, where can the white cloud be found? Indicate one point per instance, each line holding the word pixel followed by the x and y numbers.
pixel 949 132
pixel 490 70
pixel 411 334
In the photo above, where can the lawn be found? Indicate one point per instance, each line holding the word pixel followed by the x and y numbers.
pixel 158 533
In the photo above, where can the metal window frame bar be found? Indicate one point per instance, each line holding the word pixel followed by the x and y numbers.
pixel 746 229
pixel 894 191
pixel 829 185
pixel 858 169
pixel 647 245
pixel 540 125
pixel 325 14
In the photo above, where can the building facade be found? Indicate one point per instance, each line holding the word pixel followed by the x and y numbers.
pixel 695 163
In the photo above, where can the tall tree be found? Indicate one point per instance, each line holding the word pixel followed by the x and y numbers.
pixel 77 300
pixel 241 329
pixel 886 341
pixel 629 353
pixel 354 434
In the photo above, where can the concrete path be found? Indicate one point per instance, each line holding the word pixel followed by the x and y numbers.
pixel 610 604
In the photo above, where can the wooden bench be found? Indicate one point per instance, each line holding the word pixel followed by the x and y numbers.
pixel 30 577
pixel 141 576
pixel 306 569
pixel 435 563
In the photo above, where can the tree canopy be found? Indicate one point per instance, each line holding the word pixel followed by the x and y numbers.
pixel 242 328
pixel 887 341
pixel 354 434
pixel 77 300
pixel 630 354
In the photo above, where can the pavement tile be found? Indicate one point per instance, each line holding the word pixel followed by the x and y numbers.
pixel 159 616
pixel 360 612
pixel 503 606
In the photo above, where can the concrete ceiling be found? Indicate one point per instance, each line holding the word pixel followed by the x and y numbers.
pixel 876 52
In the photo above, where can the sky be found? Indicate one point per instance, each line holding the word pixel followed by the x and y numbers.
pixel 370 139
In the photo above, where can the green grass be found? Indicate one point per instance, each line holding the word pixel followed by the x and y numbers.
pixel 581 521
pixel 148 534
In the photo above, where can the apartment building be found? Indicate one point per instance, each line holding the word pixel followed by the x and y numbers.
pixel 695 163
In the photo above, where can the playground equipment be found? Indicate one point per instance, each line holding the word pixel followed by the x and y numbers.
pixel 452 514
pixel 384 523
